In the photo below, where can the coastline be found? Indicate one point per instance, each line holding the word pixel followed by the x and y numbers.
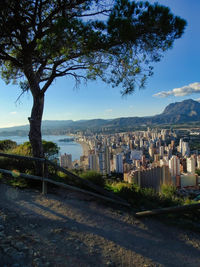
pixel 85 147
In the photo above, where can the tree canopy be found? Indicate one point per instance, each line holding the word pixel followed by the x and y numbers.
pixel 7 144
pixel 114 40
pixel 50 149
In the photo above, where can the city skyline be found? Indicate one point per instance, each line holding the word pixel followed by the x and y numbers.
pixel 175 79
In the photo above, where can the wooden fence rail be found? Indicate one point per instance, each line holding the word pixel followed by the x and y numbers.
pixel 43 179
pixel 105 195
pixel 109 196
pixel 85 182
pixel 21 157
pixel 176 209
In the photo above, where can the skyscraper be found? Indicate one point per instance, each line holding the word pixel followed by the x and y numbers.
pixel 93 162
pixel 66 161
pixel 191 164
pixel 118 163
pixel 174 166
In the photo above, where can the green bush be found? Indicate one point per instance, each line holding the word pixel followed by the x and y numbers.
pixel 142 198
pixel 7 144
pixel 50 149
pixel 168 191
pixel 94 177
pixel 16 164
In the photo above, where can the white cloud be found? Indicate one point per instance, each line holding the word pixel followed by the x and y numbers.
pixel 192 88
pixel 13 112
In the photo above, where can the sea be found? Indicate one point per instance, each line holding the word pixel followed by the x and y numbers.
pixel 70 147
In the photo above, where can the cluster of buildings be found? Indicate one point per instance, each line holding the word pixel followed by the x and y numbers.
pixel 150 158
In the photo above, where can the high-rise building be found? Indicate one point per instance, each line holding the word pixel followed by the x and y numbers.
pixel 161 151
pixel 118 163
pixel 183 165
pixel 180 145
pixel 156 157
pixel 151 152
pixel 66 161
pixel 107 159
pixel 174 166
pixel 191 164
pixel 185 149
pixel 93 162
pixel 198 162
pixel 104 160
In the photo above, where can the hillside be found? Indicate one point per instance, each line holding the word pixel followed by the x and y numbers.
pixel 67 229
pixel 175 113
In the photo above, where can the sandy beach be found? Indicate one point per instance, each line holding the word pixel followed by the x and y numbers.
pixel 85 147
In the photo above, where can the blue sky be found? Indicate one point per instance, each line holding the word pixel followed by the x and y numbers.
pixel 179 68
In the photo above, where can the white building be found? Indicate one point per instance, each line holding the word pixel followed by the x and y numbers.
pixel 185 149
pixel 174 166
pixel 198 162
pixel 151 152
pixel 191 164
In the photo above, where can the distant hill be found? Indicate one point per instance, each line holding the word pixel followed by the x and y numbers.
pixel 174 113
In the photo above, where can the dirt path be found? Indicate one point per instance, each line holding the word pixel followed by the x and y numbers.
pixel 70 229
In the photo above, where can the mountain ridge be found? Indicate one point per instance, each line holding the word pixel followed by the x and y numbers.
pixel 174 113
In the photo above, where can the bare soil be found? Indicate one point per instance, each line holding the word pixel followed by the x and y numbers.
pixel 66 228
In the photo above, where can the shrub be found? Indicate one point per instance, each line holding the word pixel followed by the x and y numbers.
pixel 50 149
pixel 94 177
pixel 168 191
pixel 142 198
pixel 7 144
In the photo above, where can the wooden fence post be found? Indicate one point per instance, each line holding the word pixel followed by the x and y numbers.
pixel 44 174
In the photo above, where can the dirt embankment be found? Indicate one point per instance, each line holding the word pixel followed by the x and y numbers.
pixel 71 229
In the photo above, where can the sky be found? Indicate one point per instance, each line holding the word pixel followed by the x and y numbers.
pixel 176 78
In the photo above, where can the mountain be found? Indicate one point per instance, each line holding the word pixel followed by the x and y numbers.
pixel 175 113
pixel 187 108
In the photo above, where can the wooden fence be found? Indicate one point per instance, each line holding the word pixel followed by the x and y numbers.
pixel 99 191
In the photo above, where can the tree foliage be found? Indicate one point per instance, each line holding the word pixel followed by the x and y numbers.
pixel 58 38
pixel 114 40
pixel 7 144
pixel 50 149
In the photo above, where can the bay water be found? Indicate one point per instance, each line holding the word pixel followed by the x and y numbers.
pixel 70 147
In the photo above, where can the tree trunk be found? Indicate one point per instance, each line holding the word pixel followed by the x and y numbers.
pixel 35 120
